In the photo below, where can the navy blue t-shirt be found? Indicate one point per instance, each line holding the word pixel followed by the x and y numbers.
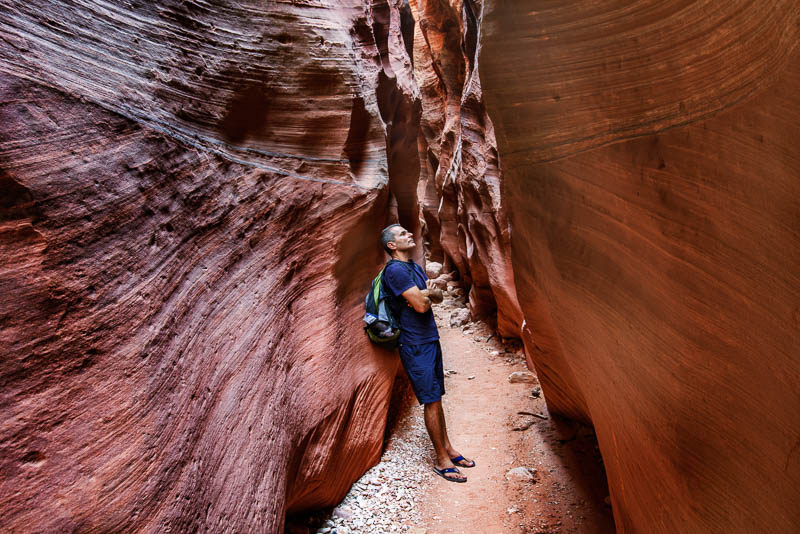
pixel 416 328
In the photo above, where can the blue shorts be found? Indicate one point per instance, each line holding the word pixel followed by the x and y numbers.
pixel 423 364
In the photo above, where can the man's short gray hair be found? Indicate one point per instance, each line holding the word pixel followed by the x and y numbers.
pixel 387 236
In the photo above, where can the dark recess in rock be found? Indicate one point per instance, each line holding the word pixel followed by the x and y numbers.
pixel 407 29
pixel 16 201
pixel 357 135
pixel 248 112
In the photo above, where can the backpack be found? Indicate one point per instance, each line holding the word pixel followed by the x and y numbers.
pixel 381 315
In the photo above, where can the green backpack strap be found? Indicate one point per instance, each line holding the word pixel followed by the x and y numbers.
pixel 376 286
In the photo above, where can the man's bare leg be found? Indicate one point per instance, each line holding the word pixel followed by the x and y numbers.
pixel 435 424
pixel 451 452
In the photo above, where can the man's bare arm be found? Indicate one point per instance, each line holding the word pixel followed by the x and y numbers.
pixel 421 299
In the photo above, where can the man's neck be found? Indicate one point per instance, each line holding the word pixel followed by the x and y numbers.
pixel 401 255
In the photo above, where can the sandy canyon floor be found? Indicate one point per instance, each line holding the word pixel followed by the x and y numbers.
pixel 535 473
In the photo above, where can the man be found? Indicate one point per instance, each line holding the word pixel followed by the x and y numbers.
pixel 420 350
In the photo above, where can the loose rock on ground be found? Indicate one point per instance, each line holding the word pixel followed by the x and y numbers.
pixel 524 478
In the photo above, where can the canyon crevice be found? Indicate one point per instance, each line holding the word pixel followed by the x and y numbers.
pixel 190 202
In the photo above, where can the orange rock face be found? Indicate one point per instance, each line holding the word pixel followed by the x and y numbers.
pixel 189 208
pixel 659 276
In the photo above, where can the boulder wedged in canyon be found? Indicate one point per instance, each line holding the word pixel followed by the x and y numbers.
pixel 659 276
pixel 191 199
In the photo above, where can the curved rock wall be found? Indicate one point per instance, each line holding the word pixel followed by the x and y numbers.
pixel 190 198
pixel 659 276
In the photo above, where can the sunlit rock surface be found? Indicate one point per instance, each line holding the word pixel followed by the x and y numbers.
pixel 189 205
pixel 659 276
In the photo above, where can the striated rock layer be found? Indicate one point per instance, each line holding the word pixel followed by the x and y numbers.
pixel 189 203
pixel 659 276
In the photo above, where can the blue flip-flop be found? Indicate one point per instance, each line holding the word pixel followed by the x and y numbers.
pixel 462 459
pixel 442 472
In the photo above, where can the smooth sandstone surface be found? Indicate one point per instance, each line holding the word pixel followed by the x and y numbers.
pixel 566 77
pixel 659 276
pixel 189 203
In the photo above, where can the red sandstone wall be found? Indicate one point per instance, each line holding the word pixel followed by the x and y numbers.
pixel 659 276
pixel 189 203
pixel 460 178
pixel 188 196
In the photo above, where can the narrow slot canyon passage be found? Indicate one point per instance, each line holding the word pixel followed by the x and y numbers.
pixel 534 473
pixel 191 200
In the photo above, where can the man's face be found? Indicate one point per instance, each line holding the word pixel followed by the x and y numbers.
pixel 403 240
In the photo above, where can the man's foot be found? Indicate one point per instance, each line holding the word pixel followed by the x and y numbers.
pixel 450 473
pixel 460 461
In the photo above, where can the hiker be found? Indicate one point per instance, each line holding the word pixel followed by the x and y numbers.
pixel 419 346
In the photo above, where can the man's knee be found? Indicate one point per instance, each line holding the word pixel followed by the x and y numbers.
pixel 435 405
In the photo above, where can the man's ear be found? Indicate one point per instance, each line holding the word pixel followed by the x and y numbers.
pixel 391 245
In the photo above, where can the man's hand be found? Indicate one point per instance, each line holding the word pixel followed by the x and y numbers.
pixel 434 294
